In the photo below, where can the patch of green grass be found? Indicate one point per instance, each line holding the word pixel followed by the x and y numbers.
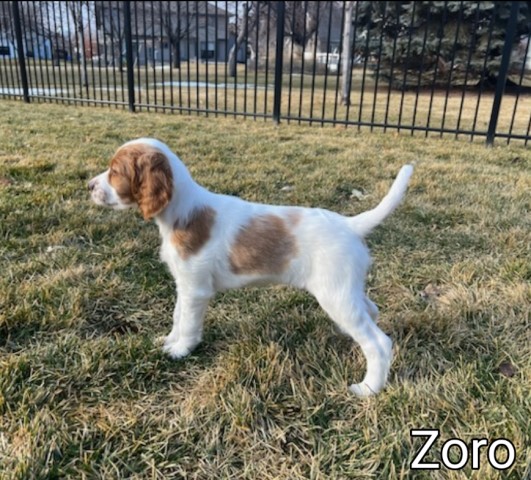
pixel 85 391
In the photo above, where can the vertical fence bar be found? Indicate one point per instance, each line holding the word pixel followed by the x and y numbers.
pixel 363 78
pixel 51 60
pixel 99 60
pixel 32 45
pixel 72 54
pixel 484 69
pixel 20 52
pixel 421 70
pixel 256 57
pixel 393 57
pixel 188 24
pixel 105 56
pixel 216 56
pixel 227 55
pixel 197 57
pixel 162 50
pixel 142 94
pixel 519 89
pixel 290 84
pixel 314 62
pixel 378 63
pixel 314 57
pixel 246 67
pixel 129 56
pixel 120 30
pixel 406 65
pixel 303 62
pixel 90 49
pixel 436 69
pixel 502 75
pixel 207 54
pixel 237 28
pixel 278 61
pixel 452 63
pixel 41 51
pixel 350 28
pixel 268 32
pixel 471 49
pixel 67 55
pixel 153 41
pixel 144 34
pixel 339 64
pixel 12 79
pixel 177 61
pixel 325 86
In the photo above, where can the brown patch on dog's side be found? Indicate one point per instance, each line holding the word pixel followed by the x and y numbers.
pixel 263 246
pixel 142 174
pixel 190 238
pixel 294 217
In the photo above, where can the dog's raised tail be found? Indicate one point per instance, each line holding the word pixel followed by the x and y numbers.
pixel 365 222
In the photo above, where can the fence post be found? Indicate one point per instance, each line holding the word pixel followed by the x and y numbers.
pixel 502 74
pixel 20 52
pixel 279 61
pixel 129 55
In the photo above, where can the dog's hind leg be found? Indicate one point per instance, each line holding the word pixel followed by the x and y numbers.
pixel 353 316
pixel 372 309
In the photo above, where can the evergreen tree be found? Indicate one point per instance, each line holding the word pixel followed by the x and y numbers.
pixel 422 42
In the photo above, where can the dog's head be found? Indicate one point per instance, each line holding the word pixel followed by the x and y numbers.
pixel 139 174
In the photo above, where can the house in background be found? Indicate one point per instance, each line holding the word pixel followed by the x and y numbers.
pixel 35 46
pixel 7 47
pixel 311 28
pixel 165 31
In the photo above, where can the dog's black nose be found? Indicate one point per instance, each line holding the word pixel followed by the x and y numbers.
pixel 91 185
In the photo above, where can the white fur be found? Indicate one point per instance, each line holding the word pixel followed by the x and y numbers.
pixel 331 261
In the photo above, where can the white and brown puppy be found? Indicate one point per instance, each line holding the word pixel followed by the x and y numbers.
pixel 214 242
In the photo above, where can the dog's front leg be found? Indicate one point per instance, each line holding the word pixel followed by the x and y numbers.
pixel 174 334
pixel 191 307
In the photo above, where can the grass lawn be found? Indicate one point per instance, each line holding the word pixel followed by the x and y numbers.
pixel 200 86
pixel 85 391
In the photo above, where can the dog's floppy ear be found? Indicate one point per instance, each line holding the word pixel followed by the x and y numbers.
pixel 154 182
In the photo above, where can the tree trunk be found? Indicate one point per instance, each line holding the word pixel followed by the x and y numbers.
pixel 346 55
pixel 176 46
pixel 82 59
pixel 232 60
pixel 242 35
pixel 84 67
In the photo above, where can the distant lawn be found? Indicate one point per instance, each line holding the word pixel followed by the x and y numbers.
pixel 208 87
pixel 85 391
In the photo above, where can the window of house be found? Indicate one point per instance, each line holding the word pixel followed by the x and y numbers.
pixel 208 50
pixel 4 50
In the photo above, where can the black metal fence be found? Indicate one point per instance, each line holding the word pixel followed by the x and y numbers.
pixel 459 68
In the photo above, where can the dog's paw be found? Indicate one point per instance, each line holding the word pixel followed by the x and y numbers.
pixel 162 340
pixel 362 390
pixel 168 340
pixel 178 349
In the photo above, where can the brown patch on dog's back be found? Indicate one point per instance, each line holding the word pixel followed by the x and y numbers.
pixel 191 237
pixel 294 217
pixel 263 246
pixel 142 174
